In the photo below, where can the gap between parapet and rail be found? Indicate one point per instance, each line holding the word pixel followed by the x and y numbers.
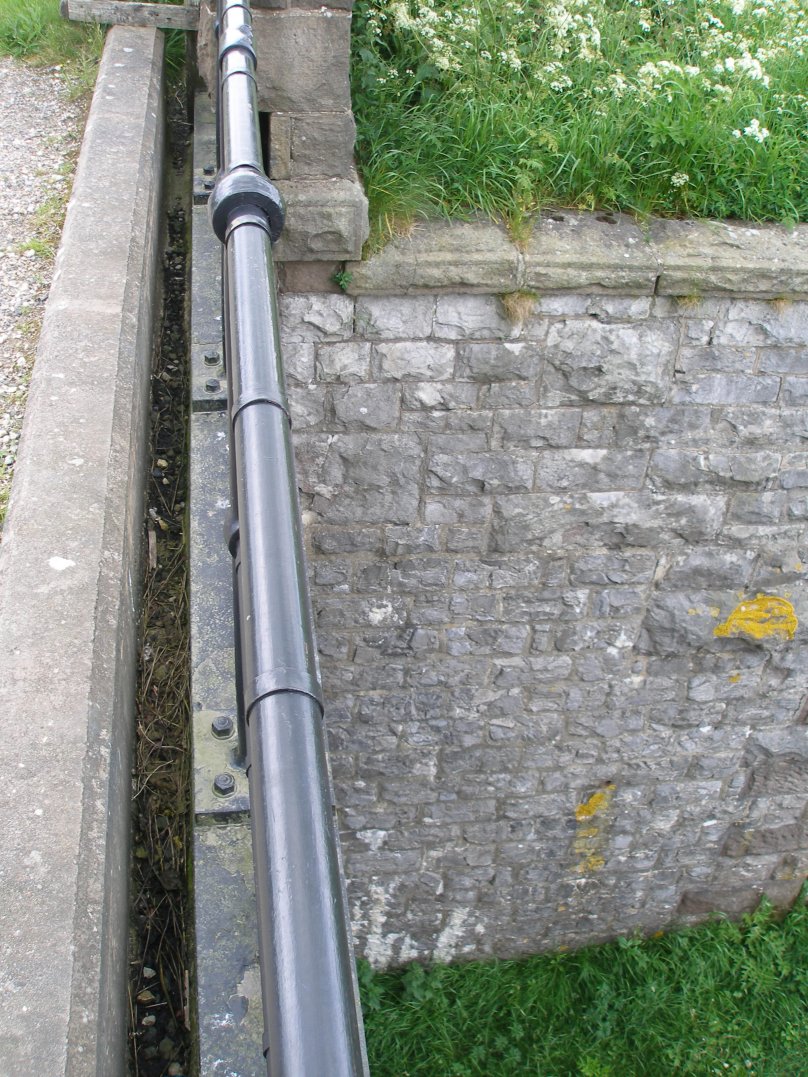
pixel 69 595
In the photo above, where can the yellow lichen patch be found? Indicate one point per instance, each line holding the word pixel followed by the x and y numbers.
pixel 590 863
pixel 765 617
pixel 590 836
pixel 734 678
pixel 598 802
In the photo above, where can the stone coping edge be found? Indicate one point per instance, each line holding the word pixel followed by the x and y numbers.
pixel 70 580
pixel 573 251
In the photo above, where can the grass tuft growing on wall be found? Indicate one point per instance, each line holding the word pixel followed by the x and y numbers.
pixel 671 107
pixel 724 998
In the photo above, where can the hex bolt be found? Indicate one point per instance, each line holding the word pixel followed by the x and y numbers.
pixel 222 725
pixel 224 784
pixel 209 170
pixel 212 385
pixel 211 358
pixel 208 184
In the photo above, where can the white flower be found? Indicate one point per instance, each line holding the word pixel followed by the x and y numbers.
pixel 679 179
pixel 755 131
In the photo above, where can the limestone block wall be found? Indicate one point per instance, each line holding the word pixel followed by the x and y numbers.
pixel 557 547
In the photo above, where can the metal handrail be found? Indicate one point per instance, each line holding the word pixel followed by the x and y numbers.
pixel 312 1016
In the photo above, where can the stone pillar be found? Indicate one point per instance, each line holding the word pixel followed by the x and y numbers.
pixel 303 50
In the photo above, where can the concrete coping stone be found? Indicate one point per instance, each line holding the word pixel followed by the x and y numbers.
pixel 69 594
pixel 571 250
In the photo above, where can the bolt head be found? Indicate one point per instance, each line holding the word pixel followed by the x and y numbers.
pixel 222 725
pixel 207 184
pixel 209 170
pixel 224 784
pixel 212 358
pixel 212 385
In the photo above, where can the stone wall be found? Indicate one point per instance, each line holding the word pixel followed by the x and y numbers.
pixel 303 89
pixel 557 548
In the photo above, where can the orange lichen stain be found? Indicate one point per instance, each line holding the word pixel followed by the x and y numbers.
pixel 761 618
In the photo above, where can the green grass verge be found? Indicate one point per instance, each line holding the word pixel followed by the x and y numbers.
pixel 724 998
pixel 671 107
pixel 34 30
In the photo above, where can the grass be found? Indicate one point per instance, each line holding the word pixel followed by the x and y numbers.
pixel 723 998
pixel 34 30
pixel 669 107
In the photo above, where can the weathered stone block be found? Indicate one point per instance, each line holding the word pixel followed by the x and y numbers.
pixel 307 406
pixel 346 362
pixel 458 255
pixel 280 146
pixel 589 252
pixel 725 389
pixel 486 639
pixel 326 220
pixel 559 470
pixel 319 42
pixel 756 323
pixel 306 318
pixel 367 407
pixel 744 842
pixel 471 317
pixel 438 396
pixel 498 362
pixel 320 144
pixel 475 473
pixel 757 508
pixel 538 427
pixel 415 360
pixel 716 358
pixel 713 568
pixel 508 394
pixel 613 568
pixel 395 317
pixel 678 623
pixel 660 426
pixel 359 478
pixel 608 364
pixel 673 468
pixel 795 391
pixel 543 605
pixel 795 471
pixel 713 257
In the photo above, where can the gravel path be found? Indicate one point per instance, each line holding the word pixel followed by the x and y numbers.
pixel 40 133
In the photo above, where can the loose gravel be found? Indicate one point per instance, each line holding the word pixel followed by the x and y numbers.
pixel 40 135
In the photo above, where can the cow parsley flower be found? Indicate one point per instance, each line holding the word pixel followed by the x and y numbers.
pixel 755 131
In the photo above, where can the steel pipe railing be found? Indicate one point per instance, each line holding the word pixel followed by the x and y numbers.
pixel 312 1017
